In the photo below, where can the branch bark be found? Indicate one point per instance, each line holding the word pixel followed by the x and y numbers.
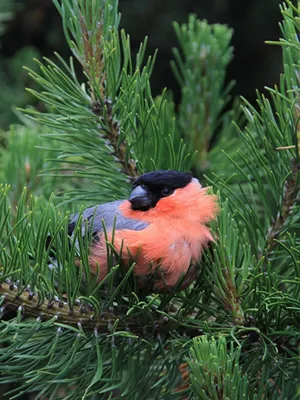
pixel 290 198
pixel 33 306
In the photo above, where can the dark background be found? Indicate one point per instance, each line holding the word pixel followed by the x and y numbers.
pixel 255 64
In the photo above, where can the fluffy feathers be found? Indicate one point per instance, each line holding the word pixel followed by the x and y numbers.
pixel 170 234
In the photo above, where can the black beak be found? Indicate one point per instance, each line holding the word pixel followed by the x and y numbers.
pixel 140 199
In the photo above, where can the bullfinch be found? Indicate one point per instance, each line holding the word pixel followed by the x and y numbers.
pixel 161 227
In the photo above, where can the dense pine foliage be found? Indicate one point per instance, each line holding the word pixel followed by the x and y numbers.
pixel 234 334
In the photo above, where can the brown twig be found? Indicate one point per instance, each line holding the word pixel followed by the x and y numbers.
pixel 93 64
pixel 120 149
pixel 290 198
pixel 33 306
pixel 93 60
pixel 232 300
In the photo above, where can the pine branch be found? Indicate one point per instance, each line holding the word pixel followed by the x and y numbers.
pixel 140 342
pixel 30 305
pixel 115 120
pixel 113 135
pixel 290 199
pixel 22 164
pixel 215 372
pixel 93 62
pixel 200 71
pixel 93 56
pixel 84 314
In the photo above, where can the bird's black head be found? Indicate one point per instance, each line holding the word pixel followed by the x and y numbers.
pixel 149 188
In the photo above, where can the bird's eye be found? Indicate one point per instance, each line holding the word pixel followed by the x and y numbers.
pixel 166 191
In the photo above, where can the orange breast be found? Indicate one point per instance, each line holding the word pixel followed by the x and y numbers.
pixel 169 246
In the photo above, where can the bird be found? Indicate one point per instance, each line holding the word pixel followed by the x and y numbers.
pixel 161 227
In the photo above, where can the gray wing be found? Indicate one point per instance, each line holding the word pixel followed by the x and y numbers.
pixel 107 212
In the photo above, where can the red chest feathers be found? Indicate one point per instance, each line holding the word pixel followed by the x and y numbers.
pixel 176 233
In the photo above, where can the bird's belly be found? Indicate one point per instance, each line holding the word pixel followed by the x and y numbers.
pixel 179 254
pixel 150 249
pixel 180 245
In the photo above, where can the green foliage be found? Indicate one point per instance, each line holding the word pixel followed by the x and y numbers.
pixel 64 334
pixel 77 311
pixel 215 371
pixel 111 123
pixel 23 160
pixel 200 71
pixel 12 82
pixel 7 9
pixel 12 78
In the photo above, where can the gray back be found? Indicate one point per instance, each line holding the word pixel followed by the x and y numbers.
pixel 108 212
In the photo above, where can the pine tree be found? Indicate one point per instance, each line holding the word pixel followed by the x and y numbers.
pixel 234 334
